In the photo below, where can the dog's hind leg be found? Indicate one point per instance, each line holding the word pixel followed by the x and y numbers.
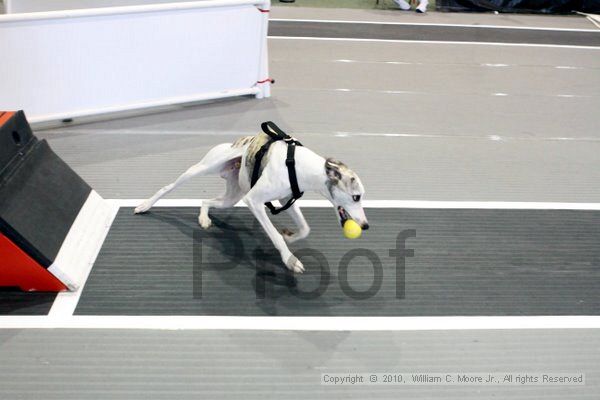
pixel 212 163
pixel 233 193
pixel 303 229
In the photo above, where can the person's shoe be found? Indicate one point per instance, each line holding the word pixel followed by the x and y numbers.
pixel 402 4
pixel 422 6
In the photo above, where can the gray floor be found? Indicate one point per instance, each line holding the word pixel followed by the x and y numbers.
pixel 417 121
pixel 113 364
pixel 468 143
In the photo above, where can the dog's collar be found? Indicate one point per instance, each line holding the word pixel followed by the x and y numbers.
pixel 275 135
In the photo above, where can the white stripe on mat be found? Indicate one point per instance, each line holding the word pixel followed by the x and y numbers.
pixel 80 249
pixel 491 205
pixel 299 323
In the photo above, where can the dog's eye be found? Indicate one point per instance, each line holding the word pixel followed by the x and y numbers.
pixel 356 198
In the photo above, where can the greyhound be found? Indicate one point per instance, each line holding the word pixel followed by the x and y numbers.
pixel 234 162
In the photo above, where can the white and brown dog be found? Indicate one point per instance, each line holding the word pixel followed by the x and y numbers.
pixel 235 162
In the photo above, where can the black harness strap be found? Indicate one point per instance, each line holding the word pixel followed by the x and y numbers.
pixel 275 135
pixel 258 160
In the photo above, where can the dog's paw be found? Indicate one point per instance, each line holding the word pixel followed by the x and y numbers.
pixel 142 208
pixel 294 265
pixel 204 222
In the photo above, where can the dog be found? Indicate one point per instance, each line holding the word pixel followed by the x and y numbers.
pixel 235 161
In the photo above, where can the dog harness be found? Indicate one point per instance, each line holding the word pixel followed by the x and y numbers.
pixel 275 135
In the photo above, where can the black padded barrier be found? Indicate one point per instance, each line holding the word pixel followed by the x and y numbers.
pixel 40 195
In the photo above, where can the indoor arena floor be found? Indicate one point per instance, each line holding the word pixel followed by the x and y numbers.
pixel 474 139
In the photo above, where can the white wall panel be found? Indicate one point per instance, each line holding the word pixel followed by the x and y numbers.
pixel 28 6
pixel 64 64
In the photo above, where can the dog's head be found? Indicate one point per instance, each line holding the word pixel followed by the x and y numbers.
pixel 345 191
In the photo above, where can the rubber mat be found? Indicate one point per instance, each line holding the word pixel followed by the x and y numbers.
pixel 431 33
pixel 465 262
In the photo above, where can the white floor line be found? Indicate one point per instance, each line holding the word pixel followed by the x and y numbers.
pixel 558 46
pixel 334 134
pixel 299 323
pixel 440 64
pixel 435 64
pixel 419 93
pixel 492 205
pixel 532 28
pixel 65 302
pixel 493 137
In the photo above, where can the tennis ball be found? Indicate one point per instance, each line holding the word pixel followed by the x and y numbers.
pixel 351 229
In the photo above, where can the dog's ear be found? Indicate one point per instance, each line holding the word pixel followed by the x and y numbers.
pixel 332 169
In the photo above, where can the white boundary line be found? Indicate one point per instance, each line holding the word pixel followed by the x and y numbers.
pixel 490 205
pixel 83 241
pixel 533 28
pixel 299 323
pixel 65 302
pixel 559 46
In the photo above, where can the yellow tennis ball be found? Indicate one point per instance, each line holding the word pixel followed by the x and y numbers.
pixel 352 230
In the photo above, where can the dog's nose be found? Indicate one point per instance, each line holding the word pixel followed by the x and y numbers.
pixel 365 226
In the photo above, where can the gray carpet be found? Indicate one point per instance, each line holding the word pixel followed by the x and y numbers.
pixel 145 364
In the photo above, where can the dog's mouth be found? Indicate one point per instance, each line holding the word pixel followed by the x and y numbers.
pixel 343 215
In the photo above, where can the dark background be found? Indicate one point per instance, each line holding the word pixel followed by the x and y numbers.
pixel 539 6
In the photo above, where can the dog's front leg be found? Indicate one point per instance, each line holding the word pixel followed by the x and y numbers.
pixel 258 209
